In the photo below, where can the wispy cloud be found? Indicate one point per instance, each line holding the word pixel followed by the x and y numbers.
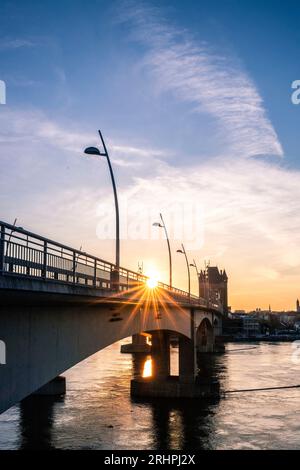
pixel 14 43
pixel 250 221
pixel 249 207
pixel 17 126
pixel 140 152
pixel 212 83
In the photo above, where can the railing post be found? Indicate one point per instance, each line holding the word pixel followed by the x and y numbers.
pixel 2 243
pixel 74 267
pixel 44 273
pixel 95 273
pixel 115 279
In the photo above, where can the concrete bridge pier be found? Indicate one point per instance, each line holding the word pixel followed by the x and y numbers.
pixel 160 356
pixel 138 345
pixel 55 387
pixel 161 384
pixel 187 361
pixel 208 337
pixel 219 346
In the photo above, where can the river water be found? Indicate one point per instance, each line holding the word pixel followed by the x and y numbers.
pixel 98 413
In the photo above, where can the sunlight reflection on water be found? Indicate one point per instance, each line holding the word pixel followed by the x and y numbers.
pixel 147 370
pixel 98 413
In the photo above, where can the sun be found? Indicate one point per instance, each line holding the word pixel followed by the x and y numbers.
pixel 152 280
pixel 152 283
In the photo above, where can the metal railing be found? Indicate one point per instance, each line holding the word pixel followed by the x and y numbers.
pixel 23 253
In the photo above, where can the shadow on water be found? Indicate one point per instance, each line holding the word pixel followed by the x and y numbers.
pixel 173 423
pixel 183 423
pixel 98 412
pixel 211 365
pixel 36 422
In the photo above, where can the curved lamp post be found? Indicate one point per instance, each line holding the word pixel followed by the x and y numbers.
pixel 96 151
pixel 188 266
pixel 163 225
pixel 194 265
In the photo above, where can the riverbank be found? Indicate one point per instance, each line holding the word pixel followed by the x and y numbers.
pixel 266 338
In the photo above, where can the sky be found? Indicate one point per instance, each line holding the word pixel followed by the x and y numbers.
pixel 194 102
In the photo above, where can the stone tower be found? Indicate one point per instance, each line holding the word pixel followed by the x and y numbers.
pixel 213 286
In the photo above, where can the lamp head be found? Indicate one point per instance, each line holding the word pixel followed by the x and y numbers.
pixel 92 151
pixel 157 224
pixel 95 151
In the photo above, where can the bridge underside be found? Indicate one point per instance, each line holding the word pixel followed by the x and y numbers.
pixel 47 332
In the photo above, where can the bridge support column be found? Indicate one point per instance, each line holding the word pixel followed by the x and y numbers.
pixel 55 387
pixel 187 360
pixel 187 385
pixel 160 355
pixel 139 345
pixel 219 346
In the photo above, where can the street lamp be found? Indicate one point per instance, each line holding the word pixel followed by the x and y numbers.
pixel 194 265
pixel 96 151
pixel 188 266
pixel 163 225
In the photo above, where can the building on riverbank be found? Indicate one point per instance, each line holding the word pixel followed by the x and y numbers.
pixel 261 322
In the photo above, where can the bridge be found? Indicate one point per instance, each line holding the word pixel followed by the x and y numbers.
pixel 59 305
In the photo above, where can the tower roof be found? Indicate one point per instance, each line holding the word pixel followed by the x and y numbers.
pixel 214 276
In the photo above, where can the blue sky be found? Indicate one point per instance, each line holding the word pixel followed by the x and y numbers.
pixel 194 100
pixel 76 57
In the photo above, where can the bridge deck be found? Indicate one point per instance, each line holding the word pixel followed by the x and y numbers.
pixel 26 257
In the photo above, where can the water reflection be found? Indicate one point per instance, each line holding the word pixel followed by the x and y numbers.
pixel 36 422
pixel 176 423
pixel 139 364
pixel 184 423
pixel 147 370
pixel 98 413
